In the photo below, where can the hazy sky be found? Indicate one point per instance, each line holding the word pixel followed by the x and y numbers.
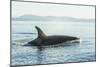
pixel 43 9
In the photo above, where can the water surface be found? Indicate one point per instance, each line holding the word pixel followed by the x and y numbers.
pixel 23 32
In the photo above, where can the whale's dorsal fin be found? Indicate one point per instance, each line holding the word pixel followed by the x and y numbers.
pixel 40 32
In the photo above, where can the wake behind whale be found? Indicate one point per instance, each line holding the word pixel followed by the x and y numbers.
pixel 44 40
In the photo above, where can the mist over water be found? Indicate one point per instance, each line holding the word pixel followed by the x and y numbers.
pixel 23 32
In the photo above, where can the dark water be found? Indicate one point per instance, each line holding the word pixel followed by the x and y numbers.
pixel 23 32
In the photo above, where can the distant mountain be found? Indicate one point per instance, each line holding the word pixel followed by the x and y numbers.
pixel 50 18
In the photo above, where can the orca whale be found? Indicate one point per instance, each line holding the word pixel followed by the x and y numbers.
pixel 43 39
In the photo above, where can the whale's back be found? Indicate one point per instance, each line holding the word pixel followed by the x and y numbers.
pixel 49 40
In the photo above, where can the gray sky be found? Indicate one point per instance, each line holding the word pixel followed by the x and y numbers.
pixel 43 9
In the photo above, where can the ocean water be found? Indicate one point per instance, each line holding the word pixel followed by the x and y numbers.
pixel 24 31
